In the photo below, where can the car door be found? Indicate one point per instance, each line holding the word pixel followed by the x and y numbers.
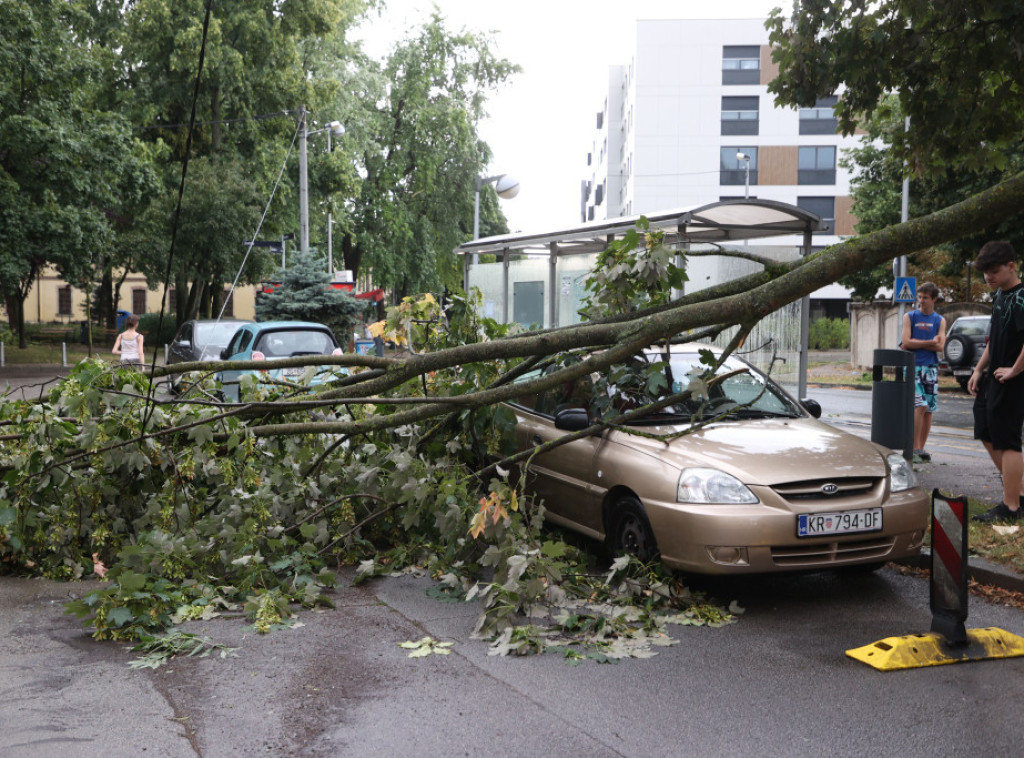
pixel 565 477
pixel 182 347
pixel 237 350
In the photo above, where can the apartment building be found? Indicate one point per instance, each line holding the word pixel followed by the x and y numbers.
pixel 690 121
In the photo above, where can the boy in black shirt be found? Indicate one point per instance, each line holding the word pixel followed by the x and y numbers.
pixel 998 380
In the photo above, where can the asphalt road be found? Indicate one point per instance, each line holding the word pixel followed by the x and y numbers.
pixel 778 682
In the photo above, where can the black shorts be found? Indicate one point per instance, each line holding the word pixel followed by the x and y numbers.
pixel 999 413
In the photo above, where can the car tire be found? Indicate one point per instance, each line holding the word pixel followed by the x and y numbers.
pixel 959 351
pixel 963 380
pixel 629 531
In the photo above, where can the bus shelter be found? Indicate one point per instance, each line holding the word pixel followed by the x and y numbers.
pixel 538 278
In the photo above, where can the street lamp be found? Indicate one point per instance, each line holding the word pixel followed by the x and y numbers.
pixel 746 182
pixel 333 127
pixel 506 186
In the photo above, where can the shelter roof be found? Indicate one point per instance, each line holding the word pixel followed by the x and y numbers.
pixel 718 222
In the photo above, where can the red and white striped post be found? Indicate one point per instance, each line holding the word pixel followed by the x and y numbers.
pixel 948 591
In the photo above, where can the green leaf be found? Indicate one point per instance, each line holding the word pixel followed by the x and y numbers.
pixel 119 616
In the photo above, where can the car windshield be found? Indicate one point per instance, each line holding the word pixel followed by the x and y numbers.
pixel 288 342
pixel 216 334
pixel 743 393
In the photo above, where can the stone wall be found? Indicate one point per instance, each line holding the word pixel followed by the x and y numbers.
pixel 877 326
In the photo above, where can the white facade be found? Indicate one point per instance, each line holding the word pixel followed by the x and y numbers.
pixel 666 112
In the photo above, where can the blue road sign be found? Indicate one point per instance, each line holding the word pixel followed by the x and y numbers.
pixel 905 290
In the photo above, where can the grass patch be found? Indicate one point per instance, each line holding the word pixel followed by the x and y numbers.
pixel 45 352
pixel 985 542
pixel 843 374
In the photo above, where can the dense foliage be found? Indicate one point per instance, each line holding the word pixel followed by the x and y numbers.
pixel 954 66
pixel 876 191
pixel 171 129
pixel 194 515
pixel 829 334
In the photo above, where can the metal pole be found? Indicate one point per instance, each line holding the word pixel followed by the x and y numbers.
pixel 330 227
pixel 904 215
pixel 303 184
pixel 282 253
pixel 746 182
pixel 476 215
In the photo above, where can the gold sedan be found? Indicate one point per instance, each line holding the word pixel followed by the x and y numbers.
pixel 756 484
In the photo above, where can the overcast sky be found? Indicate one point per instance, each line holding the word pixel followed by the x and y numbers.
pixel 541 123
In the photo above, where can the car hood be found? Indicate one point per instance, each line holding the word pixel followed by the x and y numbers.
pixel 767 452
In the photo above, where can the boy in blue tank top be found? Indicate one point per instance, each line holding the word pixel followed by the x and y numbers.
pixel 924 333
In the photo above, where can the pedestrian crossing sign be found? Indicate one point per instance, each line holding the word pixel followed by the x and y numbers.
pixel 905 290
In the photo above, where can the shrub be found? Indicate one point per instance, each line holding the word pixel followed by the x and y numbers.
pixel 829 334
pixel 157 333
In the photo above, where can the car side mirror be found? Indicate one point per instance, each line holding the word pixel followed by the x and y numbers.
pixel 224 354
pixel 572 419
pixel 811 406
pixel 183 344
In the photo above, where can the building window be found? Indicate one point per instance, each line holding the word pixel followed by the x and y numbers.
pixel 741 64
pixel 739 115
pixel 824 207
pixel 138 301
pixel 64 300
pixel 821 119
pixel 816 165
pixel 733 170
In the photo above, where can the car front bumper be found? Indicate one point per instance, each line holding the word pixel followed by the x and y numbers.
pixel 762 537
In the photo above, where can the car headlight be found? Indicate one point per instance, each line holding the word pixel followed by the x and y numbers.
pixel 709 485
pixel 901 475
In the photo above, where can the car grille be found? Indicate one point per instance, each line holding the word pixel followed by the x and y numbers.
pixel 832 553
pixel 811 490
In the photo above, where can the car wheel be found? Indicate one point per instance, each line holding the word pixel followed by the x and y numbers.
pixel 630 531
pixel 963 380
pixel 959 351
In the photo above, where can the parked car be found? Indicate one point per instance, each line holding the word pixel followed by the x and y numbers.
pixel 200 340
pixel 768 488
pixel 278 339
pixel 965 342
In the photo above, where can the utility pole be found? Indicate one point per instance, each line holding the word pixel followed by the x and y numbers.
pixel 303 184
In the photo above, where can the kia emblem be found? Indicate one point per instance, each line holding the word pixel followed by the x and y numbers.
pixel 829 489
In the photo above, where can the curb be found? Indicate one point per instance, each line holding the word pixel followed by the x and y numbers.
pixel 978 569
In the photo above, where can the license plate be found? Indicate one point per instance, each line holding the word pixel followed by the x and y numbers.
pixel 840 522
pixel 295 371
pixel 963 372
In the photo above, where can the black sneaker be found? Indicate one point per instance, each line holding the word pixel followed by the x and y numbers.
pixel 925 455
pixel 1000 513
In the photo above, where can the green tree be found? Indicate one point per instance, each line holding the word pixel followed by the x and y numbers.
pixel 65 164
pixel 416 144
pixel 219 211
pixel 954 66
pixel 304 294
pixel 876 191
pixel 260 60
